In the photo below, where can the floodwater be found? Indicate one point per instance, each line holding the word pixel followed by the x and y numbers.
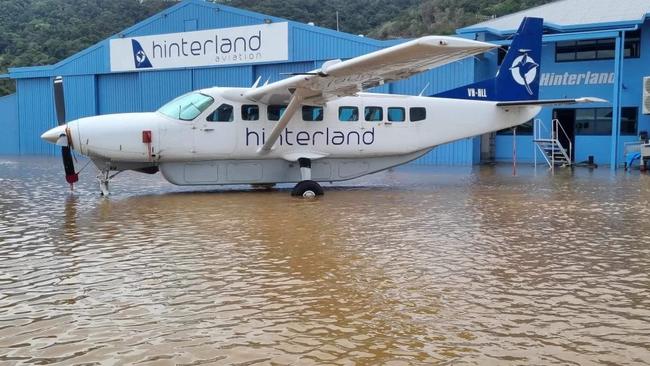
pixel 418 265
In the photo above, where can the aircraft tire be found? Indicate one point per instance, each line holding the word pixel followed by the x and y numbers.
pixel 307 188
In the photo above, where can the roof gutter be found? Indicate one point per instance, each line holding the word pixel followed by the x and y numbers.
pixel 613 26
pixel 549 38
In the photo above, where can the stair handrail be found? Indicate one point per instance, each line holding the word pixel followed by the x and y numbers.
pixel 538 128
pixel 556 124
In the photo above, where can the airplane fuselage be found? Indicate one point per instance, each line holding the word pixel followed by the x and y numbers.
pixel 345 138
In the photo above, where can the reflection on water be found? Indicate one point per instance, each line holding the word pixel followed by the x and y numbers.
pixel 411 266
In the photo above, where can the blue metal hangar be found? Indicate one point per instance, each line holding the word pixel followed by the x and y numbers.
pixel 594 48
pixel 591 48
pixel 192 45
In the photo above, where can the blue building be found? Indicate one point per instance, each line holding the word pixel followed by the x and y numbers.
pixel 97 81
pixel 591 48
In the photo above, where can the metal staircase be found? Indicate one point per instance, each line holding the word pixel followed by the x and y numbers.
pixel 548 143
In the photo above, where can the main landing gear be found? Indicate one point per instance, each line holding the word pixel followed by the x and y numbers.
pixel 306 187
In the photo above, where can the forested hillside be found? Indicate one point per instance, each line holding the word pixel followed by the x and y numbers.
pixel 42 32
pixel 445 16
pixel 386 18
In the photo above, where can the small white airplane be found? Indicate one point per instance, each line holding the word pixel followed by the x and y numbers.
pixel 311 127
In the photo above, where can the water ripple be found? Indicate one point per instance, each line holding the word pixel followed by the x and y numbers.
pixel 410 266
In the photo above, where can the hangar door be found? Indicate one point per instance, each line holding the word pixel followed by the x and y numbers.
pixel 159 87
pixel 140 92
pixel 118 93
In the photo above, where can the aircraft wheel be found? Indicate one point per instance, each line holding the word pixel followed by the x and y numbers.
pixel 307 189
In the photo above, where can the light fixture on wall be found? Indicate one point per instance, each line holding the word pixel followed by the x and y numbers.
pixel 268 21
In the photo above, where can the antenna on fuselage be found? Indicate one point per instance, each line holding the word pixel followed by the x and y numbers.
pixel 425 88
pixel 267 81
pixel 257 82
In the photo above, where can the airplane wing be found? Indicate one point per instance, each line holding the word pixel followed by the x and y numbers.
pixel 344 78
pixel 338 78
pixel 547 102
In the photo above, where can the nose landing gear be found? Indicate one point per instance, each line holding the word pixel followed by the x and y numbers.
pixel 306 188
pixel 104 177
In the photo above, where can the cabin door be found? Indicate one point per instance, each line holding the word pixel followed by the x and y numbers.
pixel 215 136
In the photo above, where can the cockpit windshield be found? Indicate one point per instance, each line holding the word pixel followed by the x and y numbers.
pixel 187 107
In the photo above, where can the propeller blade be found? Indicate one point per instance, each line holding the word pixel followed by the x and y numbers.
pixel 59 100
pixel 68 165
pixel 64 138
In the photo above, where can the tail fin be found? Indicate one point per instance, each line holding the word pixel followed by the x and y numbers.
pixel 519 74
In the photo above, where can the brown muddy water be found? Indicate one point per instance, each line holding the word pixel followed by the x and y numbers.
pixel 418 265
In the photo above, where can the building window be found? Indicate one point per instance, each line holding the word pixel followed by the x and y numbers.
pixel 348 114
pixel 597 49
pixel 221 114
pixel 629 120
pixel 525 128
pixel 417 114
pixel 633 44
pixel 250 112
pixel 598 121
pixel 274 112
pixel 312 113
pixel 396 114
pixel 374 114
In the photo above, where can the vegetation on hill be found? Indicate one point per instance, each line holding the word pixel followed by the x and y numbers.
pixel 43 32
pixel 445 16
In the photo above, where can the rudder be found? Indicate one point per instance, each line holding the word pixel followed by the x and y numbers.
pixel 519 74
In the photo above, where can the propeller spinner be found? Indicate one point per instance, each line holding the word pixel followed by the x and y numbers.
pixel 62 133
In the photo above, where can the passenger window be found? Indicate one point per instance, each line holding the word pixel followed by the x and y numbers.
pixel 374 114
pixel 250 112
pixel 274 112
pixel 347 114
pixel 396 114
pixel 417 114
pixel 221 114
pixel 312 113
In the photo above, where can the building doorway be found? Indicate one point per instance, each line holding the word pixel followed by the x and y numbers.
pixel 567 118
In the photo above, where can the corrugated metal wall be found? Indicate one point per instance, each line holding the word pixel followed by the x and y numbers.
pixel 9 138
pixel 159 87
pixel 91 88
pixel 117 93
pixel 222 76
pixel 81 95
pixel 36 114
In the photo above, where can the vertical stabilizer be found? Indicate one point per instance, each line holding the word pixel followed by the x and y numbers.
pixel 519 74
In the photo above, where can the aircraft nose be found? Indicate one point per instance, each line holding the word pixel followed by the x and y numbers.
pixel 54 135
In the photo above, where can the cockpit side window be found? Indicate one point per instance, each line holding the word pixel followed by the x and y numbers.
pixel 187 107
pixel 222 114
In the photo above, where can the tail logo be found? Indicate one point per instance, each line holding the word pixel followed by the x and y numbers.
pixel 139 56
pixel 524 70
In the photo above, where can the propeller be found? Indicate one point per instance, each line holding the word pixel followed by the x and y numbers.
pixel 64 139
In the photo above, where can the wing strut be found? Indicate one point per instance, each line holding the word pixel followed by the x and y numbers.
pixel 294 103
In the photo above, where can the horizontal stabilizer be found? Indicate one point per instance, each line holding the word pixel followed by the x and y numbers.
pixel 546 102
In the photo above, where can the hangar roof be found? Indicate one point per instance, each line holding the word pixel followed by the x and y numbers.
pixel 208 15
pixel 565 15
